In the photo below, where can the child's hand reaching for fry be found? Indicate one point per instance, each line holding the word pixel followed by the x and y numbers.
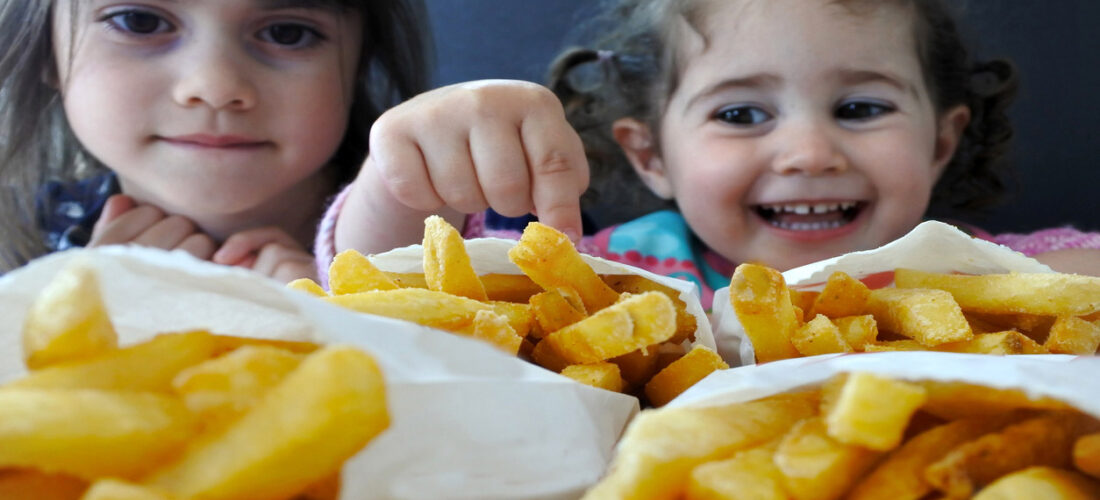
pixel 461 149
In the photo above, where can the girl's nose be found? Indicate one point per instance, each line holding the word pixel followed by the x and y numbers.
pixel 214 77
pixel 808 149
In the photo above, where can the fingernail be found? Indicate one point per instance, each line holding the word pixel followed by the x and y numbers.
pixel 572 234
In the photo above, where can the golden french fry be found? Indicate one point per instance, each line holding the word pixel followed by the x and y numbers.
pixel 1086 454
pixel 857 331
pixel 635 322
pixel 90 433
pixel 819 336
pixel 872 411
pixel 553 312
pixel 749 474
pixel 901 474
pixel 426 307
pixel 637 367
pixel 308 286
pixel 1071 335
pixel 895 345
pixel 928 316
pixel 681 374
pixel 1052 294
pixel 803 299
pixel 353 272
pixel 817 467
pixel 660 448
pixel 1041 482
pixel 30 484
pixel 1000 343
pixel 322 413
pixel 954 400
pixel 601 375
pixel 519 316
pixel 447 266
pixel 1043 440
pixel 506 287
pixel 114 489
pixel 843 295
pixel 149 366
pixel 633 284
pixel 68 320
pixel 549 258
pixel 494 329
pixel 221 389
pixel 762 302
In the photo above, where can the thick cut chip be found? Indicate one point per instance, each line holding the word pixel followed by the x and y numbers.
pixel 953 400
pixel 549 258
pixel 113 489
pixel 681 374
pixel 353 272
pixel 426 307
pixel 308 286
pixel 223 388
pixel 1086 454
pixel 843 295
pixel 322 413
pixel 30 484
pixel 1041 482
pixel 553 312
pixel 639 366
pixel 601 375
pixel 817 467
pixel 857 331
pixel 635 322
pixel 762 302
pixel 660 448
pixel 634 284
pixel 519 316
pixel 749 474
pixel 1071 335
pixel 1044 440
pixel 90 433
pixel 68 320
pixel 506 287
pixel 895 345
pixel 928 316
pixel 494 329
pixel 901 474
pixel 873 411
pixel 1052 294
pixel 148 366
pixel 447 266
pixel 819 336
pixel 1001 343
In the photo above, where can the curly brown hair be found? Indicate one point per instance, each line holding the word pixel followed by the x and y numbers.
pixel 37 145
pixel 629 69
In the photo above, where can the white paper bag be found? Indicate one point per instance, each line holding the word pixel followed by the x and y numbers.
pixel 467 420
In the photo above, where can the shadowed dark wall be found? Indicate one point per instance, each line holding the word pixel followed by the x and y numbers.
pixel 1055 43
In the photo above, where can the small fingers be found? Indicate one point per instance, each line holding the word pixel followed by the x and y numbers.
pixel 247 243
pixel 504 179
pixel 166 233
pixel 400 163
pixel 285 264
pixel 559 171
pixel 452 173
pixel 114 207
pixel 126 227
pixel 198 245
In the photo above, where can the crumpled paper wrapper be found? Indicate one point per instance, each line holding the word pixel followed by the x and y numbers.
pixel 1066 378
pixel 932 246
pixel 467 420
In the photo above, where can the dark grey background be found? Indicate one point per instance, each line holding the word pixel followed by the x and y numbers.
pixel 1055 44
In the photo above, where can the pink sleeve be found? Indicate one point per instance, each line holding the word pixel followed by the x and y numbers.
pixel 324 245
pixel 1048 240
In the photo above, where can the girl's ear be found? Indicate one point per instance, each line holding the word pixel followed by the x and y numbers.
pixel 952 124
pixel 636 141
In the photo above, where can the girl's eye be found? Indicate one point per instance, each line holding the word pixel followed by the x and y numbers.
pixel 138 22
pixel 743 115
pixel 861 110
pixel 290 35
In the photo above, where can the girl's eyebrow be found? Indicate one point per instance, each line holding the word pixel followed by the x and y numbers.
pixel 754 81
pixel 296 4
pixel 856 76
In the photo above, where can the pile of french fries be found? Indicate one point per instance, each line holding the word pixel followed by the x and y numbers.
pixel 622 333
pixel 1015 313
pixel 181 416
pixel 861 436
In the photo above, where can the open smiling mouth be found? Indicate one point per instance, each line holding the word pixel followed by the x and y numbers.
pixel 810 216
